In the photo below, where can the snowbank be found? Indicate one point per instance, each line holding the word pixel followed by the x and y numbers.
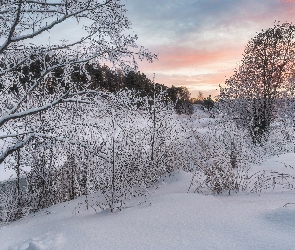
pixel 175 220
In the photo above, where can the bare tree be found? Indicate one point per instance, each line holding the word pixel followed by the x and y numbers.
pixel 252 93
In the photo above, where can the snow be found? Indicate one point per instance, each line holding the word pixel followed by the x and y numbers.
pixel 175 220
pixel 5 174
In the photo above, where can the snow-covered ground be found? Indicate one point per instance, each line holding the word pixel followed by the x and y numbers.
pixel 175 220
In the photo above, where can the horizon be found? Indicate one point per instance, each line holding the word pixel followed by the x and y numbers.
pixel 200 42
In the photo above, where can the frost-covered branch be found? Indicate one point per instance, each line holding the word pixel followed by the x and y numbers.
pixel 33 111
pixel 15 147
pixel 31 136
pixel 88 6
pixel 46 3
pixel 46 112
pixel 28 112
pixel 13 27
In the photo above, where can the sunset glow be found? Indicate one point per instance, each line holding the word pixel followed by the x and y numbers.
pixel 201 42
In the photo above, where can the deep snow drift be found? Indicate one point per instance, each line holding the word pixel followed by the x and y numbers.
pixel 175 220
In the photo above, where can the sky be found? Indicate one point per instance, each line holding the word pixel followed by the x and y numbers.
pixel 200 42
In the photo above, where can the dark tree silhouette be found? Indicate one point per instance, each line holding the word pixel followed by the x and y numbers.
pixel 208 103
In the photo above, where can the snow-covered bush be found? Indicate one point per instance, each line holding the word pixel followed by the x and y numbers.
pixel 139 143
pixel 227 152
pixel 120 152
pixel 37 90
pixel 14 202
pixel 212 171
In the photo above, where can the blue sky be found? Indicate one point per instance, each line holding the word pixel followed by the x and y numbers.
pixel 200 42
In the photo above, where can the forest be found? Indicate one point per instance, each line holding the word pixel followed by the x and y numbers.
pixel 73 126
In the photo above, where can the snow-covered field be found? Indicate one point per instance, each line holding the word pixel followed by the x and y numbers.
pixel 175 220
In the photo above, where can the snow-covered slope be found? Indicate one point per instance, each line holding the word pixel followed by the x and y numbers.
pixel 175 220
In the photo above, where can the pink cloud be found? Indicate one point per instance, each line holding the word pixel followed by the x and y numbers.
pixel 208 84
pixel 210 50
pixel 173 58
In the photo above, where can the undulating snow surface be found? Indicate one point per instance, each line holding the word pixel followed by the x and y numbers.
pixel 175 220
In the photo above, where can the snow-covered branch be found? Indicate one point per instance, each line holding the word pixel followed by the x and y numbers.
pixel 33 111
pixel 15 147
pixel 46 3
pixel 38 88
pixel 30 136
pixel 13 27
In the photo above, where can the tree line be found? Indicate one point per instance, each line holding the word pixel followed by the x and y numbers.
pixel 99 77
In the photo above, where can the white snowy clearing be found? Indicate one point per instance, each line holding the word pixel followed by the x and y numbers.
pixel 175 220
